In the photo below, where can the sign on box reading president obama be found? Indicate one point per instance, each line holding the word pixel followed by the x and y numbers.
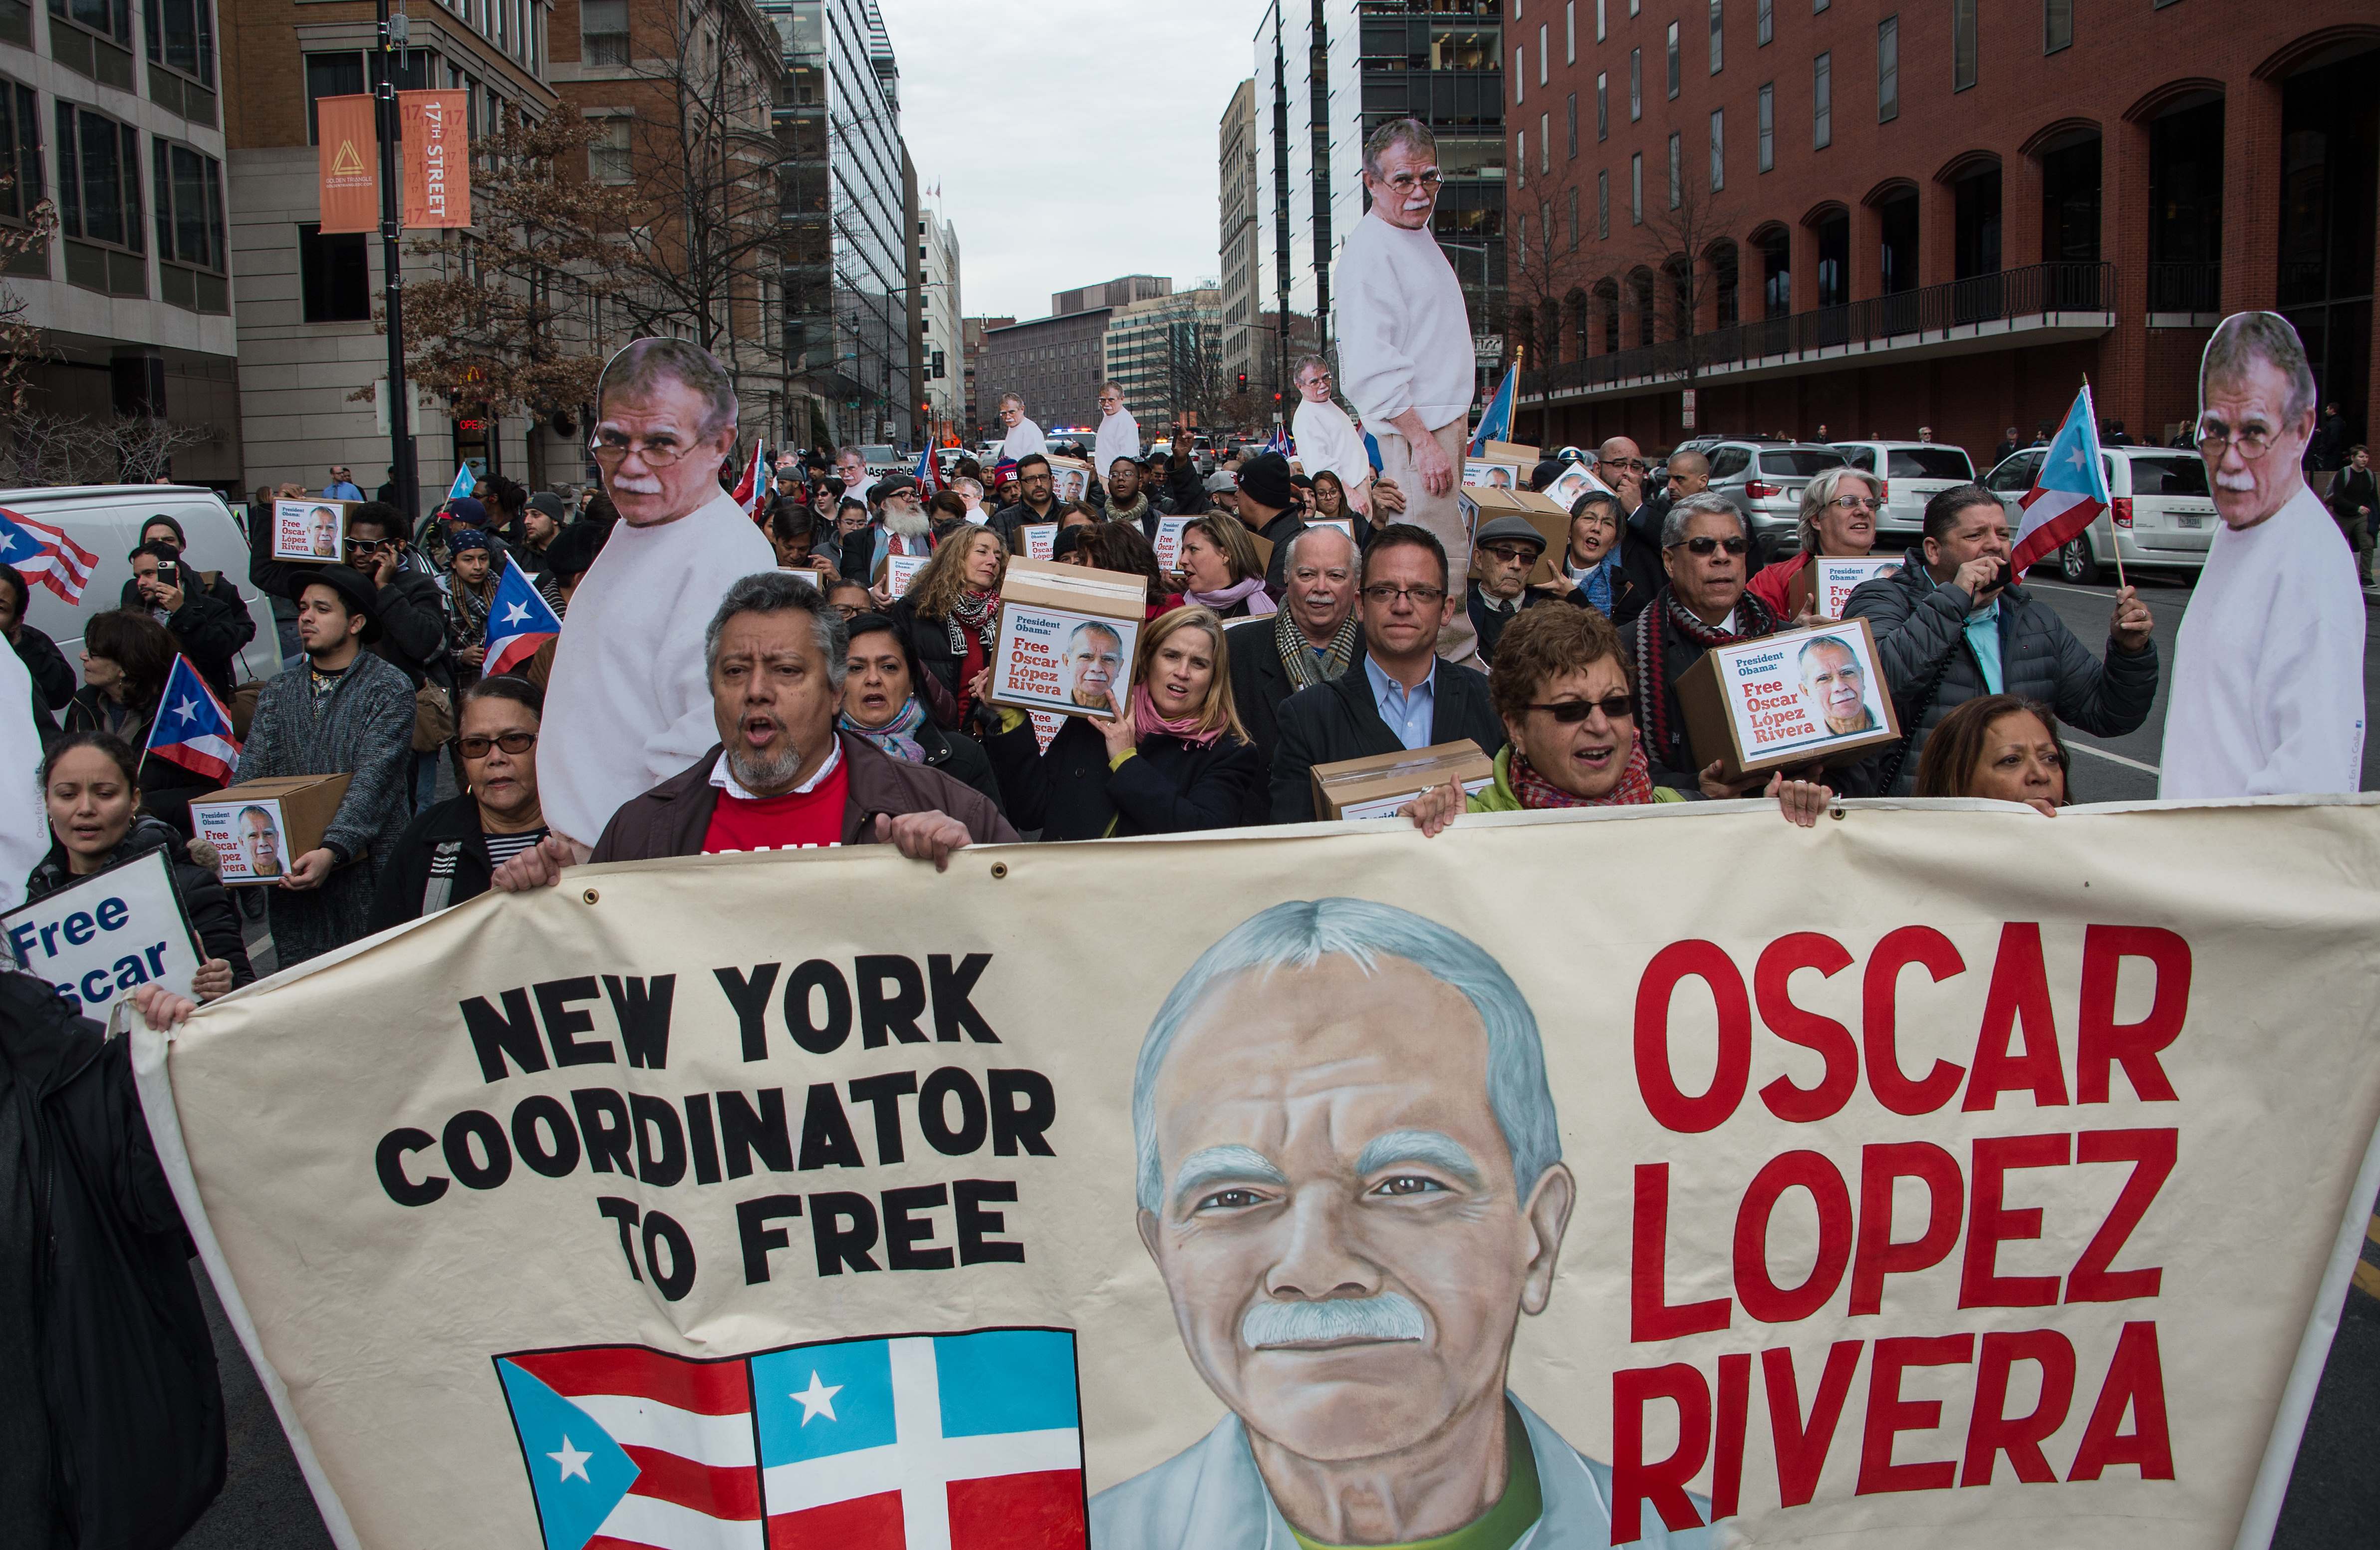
pixel 2005 1203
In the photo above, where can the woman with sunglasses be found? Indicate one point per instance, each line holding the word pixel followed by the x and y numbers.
pixel 446 854
pixel 1703 548
pixel 1559 684
pixel 1838 511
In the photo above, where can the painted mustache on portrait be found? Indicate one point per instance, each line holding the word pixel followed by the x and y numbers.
pixel 1388 1316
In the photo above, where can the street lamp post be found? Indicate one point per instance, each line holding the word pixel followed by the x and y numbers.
pixel 401 457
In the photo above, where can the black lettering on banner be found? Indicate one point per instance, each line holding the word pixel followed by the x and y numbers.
pixel 904 1235
pixel 842 1228
pixel 642 1009
pixel 954 1010
pixel 827 1035
pixel 562 1157
pixel 562 1022
pixel 968 1135
pixel 827 1140
pixel 495 1035
pixel 884 1094
pixel 603 1121
pixel 752 1229
pixel 388 1160
pixel 1023 1107
pixel 661 1141
pixel 678 1279
pixel 700 1139
pixel 892 1015
pixel 623 1213
pixel 976 1225
pixel 745 1134
pixel 457 1142
pixel 750 999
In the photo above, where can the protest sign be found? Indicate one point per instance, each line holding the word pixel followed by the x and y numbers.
pixel 1168 542
pixel 2007 1199
pixel 1066 637
pixel 1070 479
pixel 259 828
pixel 1575 480
pixel 803 573
pixel 1489 475
pixel 901 569
pixel 1040 539
pixel 1834 580
pixel 1787 699
pixel 1341 524
pixel 100 935
pixel 1045 726
pixel 308 531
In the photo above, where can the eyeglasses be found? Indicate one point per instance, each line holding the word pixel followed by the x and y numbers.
pixel 511 742
pixel 1383 594
pixel 367 544
pixel 1705 544
pixel 611 446
pixel 1405 182
pixel 1856 503
pixel 1570 712
pixel 2214 437
pixel 1631 463
pixel 1508 553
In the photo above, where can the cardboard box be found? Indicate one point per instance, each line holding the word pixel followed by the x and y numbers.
pixel 1574 481
pixel 1377 785
pixel 310 532
pixel 1070 479
pixel 261 827
pixel 1066 637
pixel 1834 578
pixel 1509 452
pixel 1489 473
pixel 1541 512
pixel 1759 706
pixel 803 572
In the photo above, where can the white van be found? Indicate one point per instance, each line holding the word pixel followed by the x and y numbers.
pixel 105 519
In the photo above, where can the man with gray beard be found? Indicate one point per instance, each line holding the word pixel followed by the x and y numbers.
pixel 1351 1180
pixel 900 526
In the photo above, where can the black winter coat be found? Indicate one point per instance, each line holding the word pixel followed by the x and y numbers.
pixel 212 624
pixel 1170 786
pixel 204 899
pixel 1259 683
pixel 53 682
pixel 1009 519
pixel 111 1418
pixel 405 870
pixel 412 609
pixel 1920 628
pixel 1339 720
pixel 928 643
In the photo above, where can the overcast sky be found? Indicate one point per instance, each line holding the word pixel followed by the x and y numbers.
pixel 1074 140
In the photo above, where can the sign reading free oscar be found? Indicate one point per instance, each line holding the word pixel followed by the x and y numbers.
pixel 2008 1200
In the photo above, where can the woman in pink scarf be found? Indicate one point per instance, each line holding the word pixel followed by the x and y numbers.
pixel 1220 570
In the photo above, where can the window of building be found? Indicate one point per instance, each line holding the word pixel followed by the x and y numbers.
pixel 1636 84
pixel 604 31
pixel 1817 5
pixel 1602 105
pixel 333 276
pixel 1962 44
pixel 1545 142
pixel 109 19
pixel 20 151
pixel 1673 61
pixel 330 74
pixel 2057 25
pixel 1767 127
pixel 1635 6
pixel 1574 215
pixel 1763 24
pixel 1570 33
pixel 1718 42
pixel 1822 101
pixel 1888 69
pixel 1636 188
pixel 1521 161
pixel 188 187
pixel 182 37
pixel 98 179
pixel 609 155
pixel 1519 74
pixel 1603 206
pixel 1520 255
pixel 1677 176
pixel 1602 28
pixel 1545 54
pixel 1571 115
pixel 1718 149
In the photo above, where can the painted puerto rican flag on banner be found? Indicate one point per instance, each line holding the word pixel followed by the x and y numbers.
pixel 46 554
pixel 917 1442
pixel 192 728
pixel 2069 492
pixel 752 490
pixel 519 621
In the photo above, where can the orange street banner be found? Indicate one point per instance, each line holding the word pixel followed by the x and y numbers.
pixel 350 160
pixel 1941 1175
pixel 437 158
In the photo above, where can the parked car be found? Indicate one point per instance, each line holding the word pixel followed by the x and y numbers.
pixel 1764 480
pixel 2161 515
pixel 885 460
pixel 1909 474
pixel 105 520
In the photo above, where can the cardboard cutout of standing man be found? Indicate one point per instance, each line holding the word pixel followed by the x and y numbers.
pixel 1406 359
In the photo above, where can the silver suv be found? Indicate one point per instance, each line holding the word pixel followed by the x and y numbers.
pixel 1764 482
pixel 1911 473
pixel 2162 516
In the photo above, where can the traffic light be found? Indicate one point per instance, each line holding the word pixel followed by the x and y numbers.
pixel 1244 382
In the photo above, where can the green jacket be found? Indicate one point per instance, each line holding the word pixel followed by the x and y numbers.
pixel 1501 798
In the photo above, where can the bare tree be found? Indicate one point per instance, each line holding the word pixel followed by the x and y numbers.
pixel 20 342
pixel 1193 369
pixel 1675 245
pixel 1545 266
pixel 44 449
pixel 48 450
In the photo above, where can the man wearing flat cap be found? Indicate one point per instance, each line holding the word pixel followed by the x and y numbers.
pixel 1267 505
pixel 1504 552
pixel 340 710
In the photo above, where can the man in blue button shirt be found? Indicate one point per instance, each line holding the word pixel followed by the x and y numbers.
pixel 1398 693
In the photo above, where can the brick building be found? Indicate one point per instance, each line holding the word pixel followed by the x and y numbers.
pixel 1944 216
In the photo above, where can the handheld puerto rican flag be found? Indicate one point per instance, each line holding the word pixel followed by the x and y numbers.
pixel 465 482
pixel 1496 424
pixel 752 490
pixel 43 554
pixel 1282 441
pixel 928 475
pixel 519 621
pixel 953 1442
pixel 192 728
pixel 2069 492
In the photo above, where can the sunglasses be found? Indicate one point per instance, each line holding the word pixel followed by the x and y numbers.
pixel 511 742
pixel 1570 712
pixel 1704 545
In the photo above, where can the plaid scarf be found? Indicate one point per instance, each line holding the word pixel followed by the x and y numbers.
pixel 972 611
pixel 1535 791
pixel 1305 670
pixel 1754 619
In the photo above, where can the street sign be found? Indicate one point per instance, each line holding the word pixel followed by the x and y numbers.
pixel 1686 410
pixel 1487 343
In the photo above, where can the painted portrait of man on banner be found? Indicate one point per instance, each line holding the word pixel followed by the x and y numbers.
pixel 1094 664
pixel 1349 1178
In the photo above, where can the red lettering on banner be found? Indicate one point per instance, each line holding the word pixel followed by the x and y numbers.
pixel 1991 1433
pixel 2152 1154
pixel 2135 1384
pixel 1670 1108
pixel 2019 998
pixel 1651 1315
pixel 1991 1223
pixel 1888 1414
pixel 1801 1445
pixel 1727 1451
pixel 1932 951
pixel 1635 1483
pixel 1877 1256
pixel 1772 990
pixel 1761 1296
pixel 2101 1040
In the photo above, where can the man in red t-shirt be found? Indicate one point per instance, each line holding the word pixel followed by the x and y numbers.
pixel 781 775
